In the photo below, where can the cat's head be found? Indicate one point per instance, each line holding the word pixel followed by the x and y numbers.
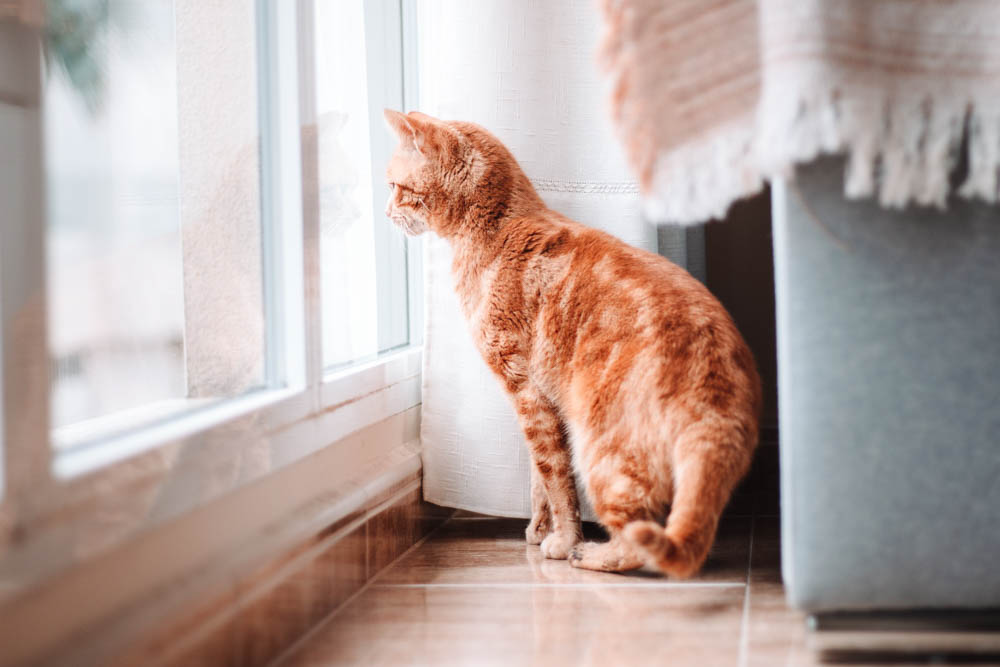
pixel 446 175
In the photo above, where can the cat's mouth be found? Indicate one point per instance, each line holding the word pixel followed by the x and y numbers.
pixel 410 226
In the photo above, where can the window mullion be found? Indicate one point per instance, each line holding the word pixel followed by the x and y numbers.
pixel 26 452
pixel 281 194
pixel 411 101
pixel 383 20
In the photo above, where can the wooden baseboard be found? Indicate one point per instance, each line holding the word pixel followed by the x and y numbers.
pixel 248 603
pixel 270 609
pixel 266 611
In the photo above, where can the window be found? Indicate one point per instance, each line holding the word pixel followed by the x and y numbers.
pixel 153 202
pixel 172 329
pixel 160 294
pixel 365 259
pixel 162 252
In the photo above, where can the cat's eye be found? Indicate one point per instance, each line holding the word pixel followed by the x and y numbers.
pixel 392 186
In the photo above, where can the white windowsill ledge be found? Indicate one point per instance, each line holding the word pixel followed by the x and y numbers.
pixel 95 443
pixel 215 452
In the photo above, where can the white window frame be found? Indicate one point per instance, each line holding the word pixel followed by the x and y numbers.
pixel 411 101
pixel 47 492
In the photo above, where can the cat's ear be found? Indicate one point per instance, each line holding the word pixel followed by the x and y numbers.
pixel 409 130
pixel 397 122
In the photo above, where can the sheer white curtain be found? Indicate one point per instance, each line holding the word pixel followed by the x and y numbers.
pixel 527 72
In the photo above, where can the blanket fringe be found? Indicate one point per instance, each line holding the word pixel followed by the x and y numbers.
pixel 904 148
pixel 904 143
pixel 903 151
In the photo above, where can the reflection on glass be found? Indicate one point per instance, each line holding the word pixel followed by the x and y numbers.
pixel 363 305
pixel 152 197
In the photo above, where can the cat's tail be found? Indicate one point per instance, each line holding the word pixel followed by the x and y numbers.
pixel 679 549
pixel 711 463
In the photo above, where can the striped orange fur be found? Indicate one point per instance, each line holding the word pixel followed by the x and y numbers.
pixel 619 363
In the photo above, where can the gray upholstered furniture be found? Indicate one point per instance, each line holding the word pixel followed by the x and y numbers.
pixel 889 393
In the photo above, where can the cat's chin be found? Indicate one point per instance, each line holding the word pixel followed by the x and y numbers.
pixel 410 227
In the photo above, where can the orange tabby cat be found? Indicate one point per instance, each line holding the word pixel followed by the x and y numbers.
pixel 618 362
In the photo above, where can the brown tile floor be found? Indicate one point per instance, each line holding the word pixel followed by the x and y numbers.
pixel 475 593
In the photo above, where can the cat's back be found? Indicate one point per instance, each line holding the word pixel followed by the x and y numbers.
pixel 615 315
pixel 600 278
pixel 582 307
pixel 584 276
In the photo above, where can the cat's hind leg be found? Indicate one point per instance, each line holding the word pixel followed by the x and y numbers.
pixel 550 455
pixel 620 496
pixel 541 514
pixel 705 472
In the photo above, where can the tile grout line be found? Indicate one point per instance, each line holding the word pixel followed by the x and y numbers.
pixel 570 585
pixel 744 652
pixel 291 648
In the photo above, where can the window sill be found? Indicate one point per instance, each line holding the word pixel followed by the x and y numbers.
pixel 349 384
pixel 95 443
pixel 151 476
pixel 130 590
pixel 93 431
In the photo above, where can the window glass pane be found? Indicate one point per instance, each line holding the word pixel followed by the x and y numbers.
pixel 363 255
pixel 154 242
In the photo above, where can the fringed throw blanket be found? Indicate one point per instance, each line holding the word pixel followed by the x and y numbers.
pixel 712 98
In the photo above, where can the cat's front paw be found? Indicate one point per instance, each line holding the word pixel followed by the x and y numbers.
pixel 537 530
pixel 558 544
